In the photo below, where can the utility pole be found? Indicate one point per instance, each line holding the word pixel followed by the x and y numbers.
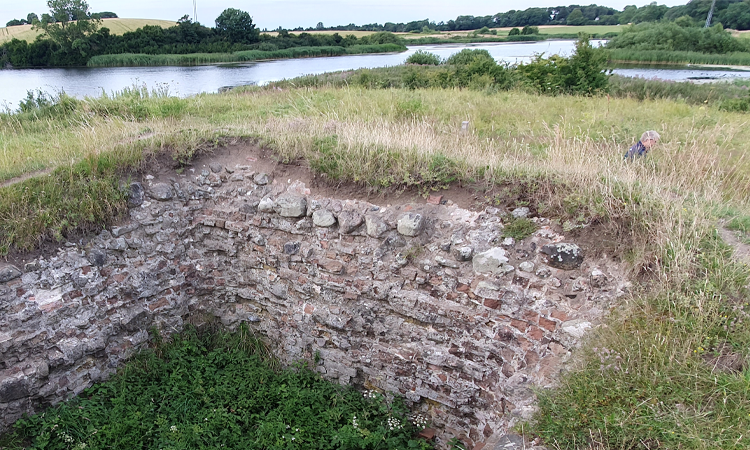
pixel 195 10
pixel 710 14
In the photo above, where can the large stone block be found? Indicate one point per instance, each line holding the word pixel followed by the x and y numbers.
pixel 291 206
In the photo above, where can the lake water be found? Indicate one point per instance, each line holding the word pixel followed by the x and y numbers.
pixel 185 81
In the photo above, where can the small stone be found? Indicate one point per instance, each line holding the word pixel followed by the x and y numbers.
pixel 349 221
pixel 463 253
pixel 375 226
pixel 43 370
pixel 125 229
pixel 506 268
pixel 215 167
pixel 400 260
pixel 97 257
pixel 118 244
pixel 446 263
pixel 323 218
pixel 598 279
pixel 261 179
pixel 279 290
pixel 491 261
pixel 291 206
pixel 526 266
pixel 229 170
pixel 237 177
pixel 509 242
pixel 445 246
pixel 521 212
pixel 410 224
pixel 291 248
pixel 543 272
pixel 161 192
pixel 563 256
pixel 266 205
pixel 136 194
pixel 8 273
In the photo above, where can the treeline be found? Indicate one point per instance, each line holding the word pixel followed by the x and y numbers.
pixel 32 18
pixel 730 13
pixel 186 37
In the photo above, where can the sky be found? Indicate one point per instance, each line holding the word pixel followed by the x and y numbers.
pixel 292 13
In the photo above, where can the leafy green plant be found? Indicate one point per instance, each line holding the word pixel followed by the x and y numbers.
pixel 423 58
pixel 519 228
pixel 211 389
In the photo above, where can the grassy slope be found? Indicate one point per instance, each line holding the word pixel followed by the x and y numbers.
pixel 662 391
pixel 116 26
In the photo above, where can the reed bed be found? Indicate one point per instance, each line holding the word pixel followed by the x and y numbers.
pixel 192 59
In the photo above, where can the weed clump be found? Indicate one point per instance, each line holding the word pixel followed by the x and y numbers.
pixel 519 228
pixel 219 390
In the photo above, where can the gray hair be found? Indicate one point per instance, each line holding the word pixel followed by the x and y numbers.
pixel 650 135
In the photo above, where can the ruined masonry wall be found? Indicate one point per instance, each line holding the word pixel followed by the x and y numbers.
pixel 425 300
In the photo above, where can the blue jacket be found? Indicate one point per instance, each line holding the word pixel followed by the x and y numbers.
pixel 637 150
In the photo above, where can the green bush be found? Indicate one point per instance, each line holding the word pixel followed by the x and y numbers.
pixel 208 390
pixel 423 58
pixel 514 32
pixel 467 56
pixel 582 73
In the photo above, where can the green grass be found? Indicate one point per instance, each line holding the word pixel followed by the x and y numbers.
pixel 664 56
pixel 216 390
pixel 129 59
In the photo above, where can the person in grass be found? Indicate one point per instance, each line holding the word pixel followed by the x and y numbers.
pixel 641 148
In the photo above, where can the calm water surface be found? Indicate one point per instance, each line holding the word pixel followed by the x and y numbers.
pixel 185 81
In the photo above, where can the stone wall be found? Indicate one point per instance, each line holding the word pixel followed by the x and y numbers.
pixel 427 300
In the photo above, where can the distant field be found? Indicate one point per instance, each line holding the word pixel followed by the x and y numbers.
pixel 550 29
pixel 116 26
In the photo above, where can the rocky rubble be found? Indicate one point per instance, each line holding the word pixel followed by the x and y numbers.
pixel 426 300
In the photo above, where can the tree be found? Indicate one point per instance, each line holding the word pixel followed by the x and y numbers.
pixel 576 17
pixel 72 23
pixel 15 22
pixel 237 26
pixel 737 16
pixel 320 26
pixel 32 18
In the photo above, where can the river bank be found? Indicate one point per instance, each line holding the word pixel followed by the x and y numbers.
pixel 192 59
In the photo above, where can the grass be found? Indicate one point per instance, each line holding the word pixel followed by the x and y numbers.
pixel 116 26
pixel 565 154
pixel 129 59
pixel 211 389
pixel 664 56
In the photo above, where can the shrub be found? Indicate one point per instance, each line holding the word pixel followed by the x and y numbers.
pixel 514 32
pixel 423 58
pixel 582 73
pixel 467 56
pixel 528 30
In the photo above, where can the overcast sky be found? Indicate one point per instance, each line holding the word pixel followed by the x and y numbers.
pixel 292 13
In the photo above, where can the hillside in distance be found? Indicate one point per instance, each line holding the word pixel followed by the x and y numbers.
pixel 116 26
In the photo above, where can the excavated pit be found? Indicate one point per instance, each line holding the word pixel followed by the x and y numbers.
pixel 423 298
